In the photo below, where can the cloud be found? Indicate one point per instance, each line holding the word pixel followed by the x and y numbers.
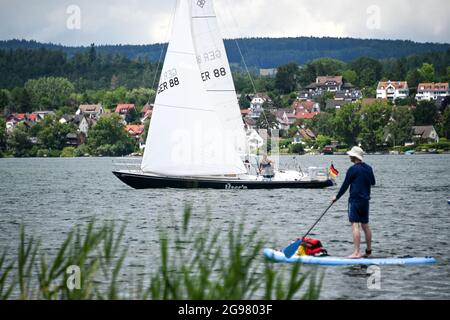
pixel 148 21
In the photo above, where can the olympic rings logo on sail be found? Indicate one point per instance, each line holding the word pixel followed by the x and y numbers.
pixel 201 3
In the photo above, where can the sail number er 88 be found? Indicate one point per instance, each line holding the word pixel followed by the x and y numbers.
pixel 221 72
pixel 168 84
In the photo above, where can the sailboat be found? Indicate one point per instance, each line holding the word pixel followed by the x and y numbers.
pixel 196 137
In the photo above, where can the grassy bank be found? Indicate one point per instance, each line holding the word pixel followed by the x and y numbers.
pixel 194 262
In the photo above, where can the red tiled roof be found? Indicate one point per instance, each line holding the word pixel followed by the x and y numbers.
pixel 396 84
pixel 303 105
pixel 124 108
pixel 305 115
pixel 245 111
pixel 32 117
pixel 433 86
pixel 19 116
pixel 135 129
pixel 24 116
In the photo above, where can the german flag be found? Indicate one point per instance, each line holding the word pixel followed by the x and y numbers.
pixel 333 172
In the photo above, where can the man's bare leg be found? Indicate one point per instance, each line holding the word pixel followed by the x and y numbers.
pixel 367 235
pixel 356 241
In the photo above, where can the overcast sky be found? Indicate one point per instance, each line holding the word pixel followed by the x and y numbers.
pixel 148 21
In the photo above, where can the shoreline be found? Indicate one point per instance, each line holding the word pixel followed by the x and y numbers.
pixel 281 154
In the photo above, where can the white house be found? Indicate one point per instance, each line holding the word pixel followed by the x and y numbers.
pixel 255 141
pixel 392 90
pixel 432 91
pixel 256 106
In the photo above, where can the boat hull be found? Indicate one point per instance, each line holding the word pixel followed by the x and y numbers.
pixel 142 181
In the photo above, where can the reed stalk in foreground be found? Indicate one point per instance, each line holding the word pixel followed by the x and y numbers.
pixel 195 262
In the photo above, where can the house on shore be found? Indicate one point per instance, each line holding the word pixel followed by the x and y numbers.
pixel 425 133
pixel 256 104
pixel 432 91
pixel 93 111
pixel 305 106
pixel 333 84
pixel 28 119
pixel 125 111
pixel 348 92
pixel 305 109
pixel 82 121
pixel 326 84
pixel 136 131
pixel 303 134
pixel 392 90
pixel 285 118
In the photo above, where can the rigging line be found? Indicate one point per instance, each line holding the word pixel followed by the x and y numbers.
pixel 239 48
pixel 162 47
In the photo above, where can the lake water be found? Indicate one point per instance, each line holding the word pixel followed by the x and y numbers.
pixel 409 215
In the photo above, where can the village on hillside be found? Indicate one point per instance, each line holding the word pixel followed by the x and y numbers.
pixel 304 126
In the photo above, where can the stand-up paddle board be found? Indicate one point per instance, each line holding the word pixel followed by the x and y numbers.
pixel 278 256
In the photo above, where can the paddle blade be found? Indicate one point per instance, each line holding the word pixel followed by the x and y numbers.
pixel 292 248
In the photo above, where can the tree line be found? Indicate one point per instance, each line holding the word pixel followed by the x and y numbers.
pixel 377 126
pixel 87 70
pixel 265 52
pixel 363 72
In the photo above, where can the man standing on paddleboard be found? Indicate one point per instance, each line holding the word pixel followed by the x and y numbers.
pixel 360 178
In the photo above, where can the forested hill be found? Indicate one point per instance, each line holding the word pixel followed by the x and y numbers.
pixel 268 52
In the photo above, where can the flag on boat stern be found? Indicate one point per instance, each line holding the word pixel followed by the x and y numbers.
pixel 333 172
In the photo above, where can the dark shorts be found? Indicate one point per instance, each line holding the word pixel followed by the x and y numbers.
pixel 358 211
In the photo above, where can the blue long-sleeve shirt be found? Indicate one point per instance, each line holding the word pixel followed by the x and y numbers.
pixel 360 178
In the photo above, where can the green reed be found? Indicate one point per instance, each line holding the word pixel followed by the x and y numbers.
pixel 195 262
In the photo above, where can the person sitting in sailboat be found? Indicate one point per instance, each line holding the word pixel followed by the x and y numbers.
pixel 266 167
pixel 247 165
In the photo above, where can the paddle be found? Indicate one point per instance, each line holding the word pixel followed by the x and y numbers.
pixel 292 248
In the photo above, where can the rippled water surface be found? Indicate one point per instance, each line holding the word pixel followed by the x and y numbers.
pixel 409 215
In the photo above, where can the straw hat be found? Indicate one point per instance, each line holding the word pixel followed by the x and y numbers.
pixel 356 152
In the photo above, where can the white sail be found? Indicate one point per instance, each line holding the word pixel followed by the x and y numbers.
pixel 215 70
pixel 186 135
